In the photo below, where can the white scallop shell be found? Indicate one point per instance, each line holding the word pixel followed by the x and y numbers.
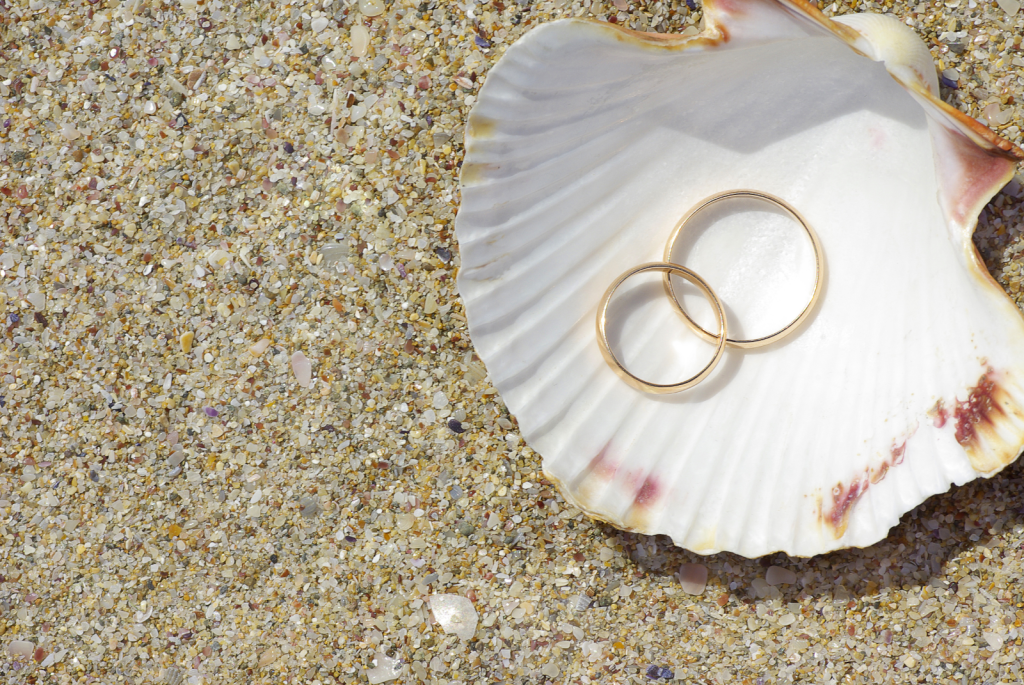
pixel 589 141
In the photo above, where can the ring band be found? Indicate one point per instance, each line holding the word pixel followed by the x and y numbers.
pixel 819 263
pixel 602 334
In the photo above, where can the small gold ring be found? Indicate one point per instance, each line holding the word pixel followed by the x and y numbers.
pixel 819 263
pixel 609 356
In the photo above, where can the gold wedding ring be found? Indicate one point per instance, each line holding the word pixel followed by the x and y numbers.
pixel 602 333
pixel 819 263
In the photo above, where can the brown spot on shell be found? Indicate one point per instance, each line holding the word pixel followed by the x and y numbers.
pixel 480 127
pixel 989 423
pixel 476 173
pixel 939 414
pixel 979 408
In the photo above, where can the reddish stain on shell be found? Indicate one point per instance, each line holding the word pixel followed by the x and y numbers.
pixel 601 465
pixel 647 493
pixel 979 410
pixel 843 499
pixel 845 496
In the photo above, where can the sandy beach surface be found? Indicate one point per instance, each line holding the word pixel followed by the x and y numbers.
pixel 244 436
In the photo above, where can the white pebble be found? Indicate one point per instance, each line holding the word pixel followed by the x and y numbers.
pixel 356 113
pixel 37 300
pixel 440 401
pixel 387 263
pixel 233 43
pixel 69 132
pixel 20 648
pixel 994 641
pixel 218 259
pixel 148 108
pixel 270 656
pixel 262 61
pixel 319 24
pixel 371 8
pixel 360 38
pixel 384 669
pixel 1011 7
pixel 259 347
pixel 777 575
pixel 693 578
pixel 455 614
pixel 302 369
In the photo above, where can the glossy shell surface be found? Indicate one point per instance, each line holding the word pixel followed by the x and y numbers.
pixel 589 141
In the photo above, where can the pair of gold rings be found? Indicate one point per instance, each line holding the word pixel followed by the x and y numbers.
pixel 721 339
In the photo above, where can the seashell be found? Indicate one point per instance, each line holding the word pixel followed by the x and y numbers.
pixel 585 146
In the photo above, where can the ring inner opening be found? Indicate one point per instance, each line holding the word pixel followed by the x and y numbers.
pixel 757 258
pixel 649 338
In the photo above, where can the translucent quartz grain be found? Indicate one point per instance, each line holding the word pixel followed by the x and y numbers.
pixel 693 578
pixel 455 614
pixel 777 575
pixel 385 668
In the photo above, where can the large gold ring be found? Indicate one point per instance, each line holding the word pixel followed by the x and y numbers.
pixel 819 263
pixel 609 356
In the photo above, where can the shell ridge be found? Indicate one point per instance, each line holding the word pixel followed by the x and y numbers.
pixel 563 227
pixel 601 467
pixel 541 306
pixel 637 480
pixel 566 368
pixel 842 491
pixel 741 454
pixel 535 198
pixel 628 429
pixel 526 145
pixel 775 463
